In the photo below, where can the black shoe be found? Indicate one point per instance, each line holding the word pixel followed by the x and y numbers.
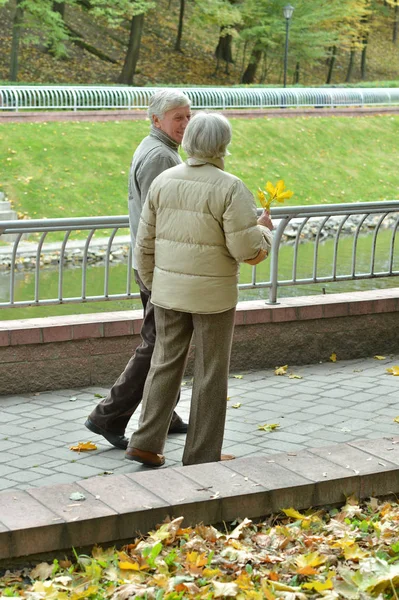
pixel 178 426
pixel 117 440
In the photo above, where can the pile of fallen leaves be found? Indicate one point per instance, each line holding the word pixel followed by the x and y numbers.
pixel 349 553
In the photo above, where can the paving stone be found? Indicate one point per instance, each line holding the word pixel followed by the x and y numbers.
pixel 318 409
pixel 11 430
pixel 328 420
pixel 384 449
pixel 358 461
pixel 303 428
pixel 7 417
pixel 24 476
pixel 6 444
pixel 6 469
pixel 79 470
pixel 23 407
pixel 42 423
pixel 279 446
pixel 26 462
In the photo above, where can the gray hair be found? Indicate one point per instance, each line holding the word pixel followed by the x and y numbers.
pixel 207 135
pixel 165 100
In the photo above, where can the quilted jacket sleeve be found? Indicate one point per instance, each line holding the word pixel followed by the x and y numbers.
pixel 144 250
pixel 245 239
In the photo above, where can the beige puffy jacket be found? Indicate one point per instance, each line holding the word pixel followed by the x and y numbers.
pixel 197 224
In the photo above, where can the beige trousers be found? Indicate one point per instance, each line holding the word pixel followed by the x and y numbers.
pixel 213 335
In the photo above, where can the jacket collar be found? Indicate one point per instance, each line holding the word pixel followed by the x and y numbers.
pixel 198 162
pixel 163 137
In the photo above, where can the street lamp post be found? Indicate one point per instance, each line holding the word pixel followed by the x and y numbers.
pixel 287 10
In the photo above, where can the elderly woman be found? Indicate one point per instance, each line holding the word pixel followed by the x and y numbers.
pixel 197 224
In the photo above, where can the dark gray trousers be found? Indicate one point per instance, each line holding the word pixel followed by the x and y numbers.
pixel 113 413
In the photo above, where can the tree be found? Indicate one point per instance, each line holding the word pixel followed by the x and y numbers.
pixel 225 14
pixel 180 27
pixel 115 13
pixel 37 16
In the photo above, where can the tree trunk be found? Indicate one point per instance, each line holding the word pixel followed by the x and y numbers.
pixel 16 33
pixel 250 71
pixel 223 49
pixel 133 50
pixel 59 7
pixel 180 28
pixel 296 73
pixel 331 64
pixel 396 23
pixel 364 59
pixel 350 66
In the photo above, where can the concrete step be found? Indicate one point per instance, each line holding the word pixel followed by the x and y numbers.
pixel 116 508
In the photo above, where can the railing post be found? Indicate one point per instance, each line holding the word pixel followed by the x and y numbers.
pixel 274 259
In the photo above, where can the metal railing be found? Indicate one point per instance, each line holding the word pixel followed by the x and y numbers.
pixel 64 97
pixel 294 224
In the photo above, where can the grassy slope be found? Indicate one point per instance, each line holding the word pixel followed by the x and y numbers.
pixel 81 169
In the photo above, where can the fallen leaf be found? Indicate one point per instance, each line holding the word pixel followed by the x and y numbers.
pixel 77 496
pixel 293 376
pixel 224 590
pixel 333 357
pixel 84 447
pixel 237 376
pixel 41 571
pixel 377 357
pixel 393 370
pixel 281 370
pixel 396 419
pixel 268 426
pixel 236 405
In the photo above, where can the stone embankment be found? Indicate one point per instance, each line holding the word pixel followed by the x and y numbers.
pixel 74 253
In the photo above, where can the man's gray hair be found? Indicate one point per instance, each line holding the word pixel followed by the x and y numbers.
pixel 207 135
pixel 165 100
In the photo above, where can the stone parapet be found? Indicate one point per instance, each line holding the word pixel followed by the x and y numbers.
pixel 92 349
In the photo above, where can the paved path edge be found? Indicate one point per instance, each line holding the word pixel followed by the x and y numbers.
pixel 120 507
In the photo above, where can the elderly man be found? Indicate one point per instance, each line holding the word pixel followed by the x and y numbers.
pixel 198 223
pixel 169 113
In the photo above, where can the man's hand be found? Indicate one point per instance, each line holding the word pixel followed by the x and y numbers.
pixel 265 220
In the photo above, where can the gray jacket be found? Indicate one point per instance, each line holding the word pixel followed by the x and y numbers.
pixel 156 153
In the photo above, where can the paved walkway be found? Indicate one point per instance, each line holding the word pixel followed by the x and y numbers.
pixel 332 403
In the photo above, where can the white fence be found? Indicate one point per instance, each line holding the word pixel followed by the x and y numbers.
pixel 63 97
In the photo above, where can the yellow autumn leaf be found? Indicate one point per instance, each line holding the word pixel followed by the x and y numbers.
pixel 396 419
pixel 90 591
pixel 276 193
pixel 268 426
pixel 294 514
pixel 236 405
pixel 333 357
pixel 312 559
pixel 281 370
pixel 126 565
pixel 378 357
pixel 394 370
pixel 318 586
pixel 270 189
pixel 354 552
pixel 293 376
pixel 237 376
pixel 83 447
pixel 262 198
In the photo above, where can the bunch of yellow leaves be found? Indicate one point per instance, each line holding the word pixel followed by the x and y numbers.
pixel 278 193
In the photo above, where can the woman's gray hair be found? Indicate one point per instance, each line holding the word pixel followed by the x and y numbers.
pixel 165 100
pixel 207 135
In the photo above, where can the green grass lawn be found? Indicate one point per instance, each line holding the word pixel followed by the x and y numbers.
pixel 81 169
